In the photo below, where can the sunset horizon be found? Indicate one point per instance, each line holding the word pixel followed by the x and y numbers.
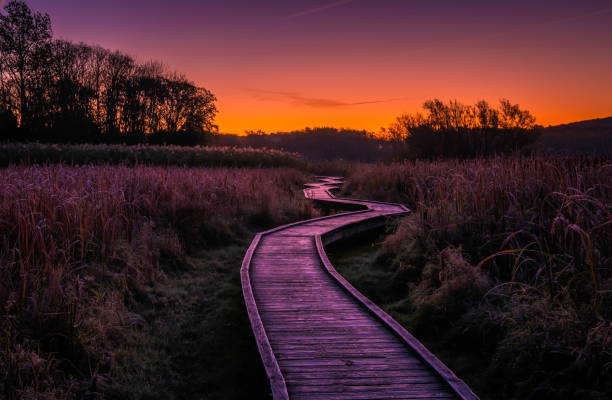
pixel 275 66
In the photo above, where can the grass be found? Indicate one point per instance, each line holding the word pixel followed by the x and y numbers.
pixel 197 342
pixel 100 258
pixel 504 264
pixel 122 282
pixel 104 154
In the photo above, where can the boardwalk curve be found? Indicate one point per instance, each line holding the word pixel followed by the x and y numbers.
pixel 320 338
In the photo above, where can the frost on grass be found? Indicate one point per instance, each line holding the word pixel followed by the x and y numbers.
pixel 506 261
pixel 81 246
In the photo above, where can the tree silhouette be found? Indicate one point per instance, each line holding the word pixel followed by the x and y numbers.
pixel 24 41
pixel 61 91
pixel 459 130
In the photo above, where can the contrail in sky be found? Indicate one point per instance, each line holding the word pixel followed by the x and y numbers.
pixel 316 102
pixel 318 9
pixel 581 16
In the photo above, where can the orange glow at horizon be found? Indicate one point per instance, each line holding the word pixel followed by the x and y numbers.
pixel 541 91
pixel 371 120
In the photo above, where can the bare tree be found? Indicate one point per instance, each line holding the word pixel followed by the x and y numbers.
pixel 459 130
pixel 59 90
pixel 24 40
pixel 187 106
pixel 117 70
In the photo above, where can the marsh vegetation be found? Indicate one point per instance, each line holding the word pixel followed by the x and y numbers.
pixel 503 269
pixel 108 273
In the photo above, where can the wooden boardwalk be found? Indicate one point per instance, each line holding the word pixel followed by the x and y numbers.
pixel 319 338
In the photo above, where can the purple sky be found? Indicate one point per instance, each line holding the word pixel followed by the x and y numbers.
pixel 287 64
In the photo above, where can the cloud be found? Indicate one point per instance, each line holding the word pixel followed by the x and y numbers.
pixel 319 9
pixel 2 3
pixel 315 102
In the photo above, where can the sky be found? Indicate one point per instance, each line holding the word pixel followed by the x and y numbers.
pixel 281 65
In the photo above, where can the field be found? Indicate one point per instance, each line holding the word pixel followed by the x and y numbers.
pixel 122 281
pixel 109 273
pixel 503 269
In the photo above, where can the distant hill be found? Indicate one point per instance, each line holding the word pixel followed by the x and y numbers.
pixel 592 136
pixel 318 144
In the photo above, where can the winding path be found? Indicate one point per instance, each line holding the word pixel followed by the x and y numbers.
pixel 318 337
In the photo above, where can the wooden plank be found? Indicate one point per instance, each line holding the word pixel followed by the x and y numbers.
pixel 326 327
pixel 334 347
pixel 285 264
pixel 366 341
pixel 320 318
pixel 431 382
pixel 423 373
pixel 284 309
pixel 370 396
pixel 330 318
pixel 389 355
pixel 352 362
pixel 372 386
pixel 338 331
pixel 352 368
pixel 321 336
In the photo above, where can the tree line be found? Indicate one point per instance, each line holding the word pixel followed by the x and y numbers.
pixel 318 143
pixel 463 131
pixel 59 91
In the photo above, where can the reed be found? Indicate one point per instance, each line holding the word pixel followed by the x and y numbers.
pixel 538 230
pixel 77 243
pixel 104 154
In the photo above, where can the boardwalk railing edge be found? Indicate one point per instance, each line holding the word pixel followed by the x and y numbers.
pixel 277 381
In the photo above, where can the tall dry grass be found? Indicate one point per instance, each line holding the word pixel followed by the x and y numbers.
pixel 104 154
pixel 514 251
pixel 78 244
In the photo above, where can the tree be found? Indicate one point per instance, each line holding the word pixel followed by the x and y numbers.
pixel 8 125
pixel 69 115
pixel 459 130
pixel 24 41
pixel 258 132
pixel 188 107
pixel 487 124
pixel 116 72
pixel 57 90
